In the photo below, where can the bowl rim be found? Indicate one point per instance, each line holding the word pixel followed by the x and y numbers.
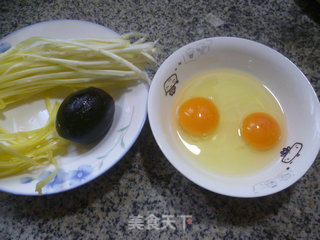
pixel 181 169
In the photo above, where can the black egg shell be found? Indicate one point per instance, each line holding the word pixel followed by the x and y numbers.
pixel 85 116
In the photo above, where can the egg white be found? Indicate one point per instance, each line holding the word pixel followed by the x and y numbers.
pixel 236 94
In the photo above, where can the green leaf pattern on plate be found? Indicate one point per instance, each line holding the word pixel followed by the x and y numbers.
pixel 120 140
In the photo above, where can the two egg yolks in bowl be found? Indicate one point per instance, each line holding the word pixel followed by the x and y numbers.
pixel 229 122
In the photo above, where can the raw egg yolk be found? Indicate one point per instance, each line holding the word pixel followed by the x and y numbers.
pixel 261 130
pixel 198 116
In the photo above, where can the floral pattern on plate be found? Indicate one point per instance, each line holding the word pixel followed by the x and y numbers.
pixel 76 177
pixel 4 46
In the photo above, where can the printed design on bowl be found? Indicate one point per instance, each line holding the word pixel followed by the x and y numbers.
pixel 189 55
pixel 120 140
pixel 289 153
pixel 192 54
pixel 273 182
pixel 72 177
pixel 170 84
pixel 4 46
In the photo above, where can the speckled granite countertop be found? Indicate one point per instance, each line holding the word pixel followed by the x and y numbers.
pixel 144 182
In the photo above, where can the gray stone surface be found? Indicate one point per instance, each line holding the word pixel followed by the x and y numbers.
pixel 144 182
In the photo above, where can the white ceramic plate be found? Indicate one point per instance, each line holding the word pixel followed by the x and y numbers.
pixel 280 75
pixel 79 166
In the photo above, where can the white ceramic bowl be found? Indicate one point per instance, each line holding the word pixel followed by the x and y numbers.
pixel 280 75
